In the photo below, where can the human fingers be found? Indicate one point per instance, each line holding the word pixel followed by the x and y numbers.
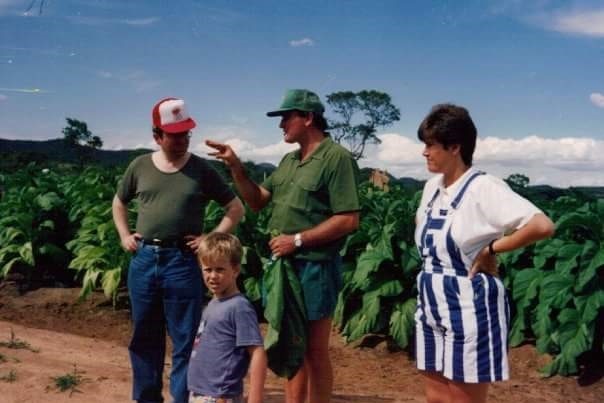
pixel 490 266
pixel 473 271
pixel 216 145
pixel 130 244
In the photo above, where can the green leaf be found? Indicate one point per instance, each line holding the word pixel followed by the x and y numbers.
pixel 526 284
pixel 590 273
pixel 47 224
pixel 11 234
pixel 8 266
pixel 48 201
pixel 252 289
pixel 567 258
pixel 402 322
pixel 111 281
pixel 368 263
pixel 364 320
pixel 518 328
pixel 589 306
pixel 556 290
pixel 27 254
pixel 543 327
pixel 385 288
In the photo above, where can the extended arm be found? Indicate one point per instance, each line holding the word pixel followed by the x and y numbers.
pixel 537 228
pixel 258 365
pixel 120 218
pixel 254 195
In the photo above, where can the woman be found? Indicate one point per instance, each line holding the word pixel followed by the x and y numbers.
pixel 464 220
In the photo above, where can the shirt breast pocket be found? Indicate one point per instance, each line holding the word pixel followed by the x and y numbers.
pixel 307 194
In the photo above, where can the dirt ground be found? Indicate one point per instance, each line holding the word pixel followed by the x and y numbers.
pixel 91 338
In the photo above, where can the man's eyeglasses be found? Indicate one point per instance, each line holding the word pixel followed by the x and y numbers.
pixel 183 135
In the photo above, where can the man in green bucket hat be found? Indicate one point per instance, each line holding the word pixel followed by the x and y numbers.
pixel 314 193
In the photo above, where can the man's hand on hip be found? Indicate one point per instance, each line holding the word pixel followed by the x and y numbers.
pixel 129 243
pixel 193 242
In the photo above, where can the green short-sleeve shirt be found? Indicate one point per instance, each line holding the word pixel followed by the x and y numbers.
pixel 171 205
pixel 306 193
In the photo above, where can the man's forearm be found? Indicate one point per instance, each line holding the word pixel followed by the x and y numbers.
pixel 253 194
pixel 335 227
pixel 120 217
pixel 233 212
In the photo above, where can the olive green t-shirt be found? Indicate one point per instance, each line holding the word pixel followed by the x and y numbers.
pixel 171 205
pixel 306 193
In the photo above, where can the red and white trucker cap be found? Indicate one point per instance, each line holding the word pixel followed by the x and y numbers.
pixel 170 115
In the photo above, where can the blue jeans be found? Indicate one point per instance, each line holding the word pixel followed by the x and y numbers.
pixel 166 292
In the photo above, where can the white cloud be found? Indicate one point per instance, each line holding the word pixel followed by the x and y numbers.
pixel 561 162
pixel 585 22
pixel 138 79
pixel 301 42
pixel 558 162
pixel 97 21
pixel 140 21
pixel 247 151
pixel 597 99
pixel 3 97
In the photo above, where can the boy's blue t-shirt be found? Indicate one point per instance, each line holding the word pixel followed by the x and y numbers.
pixel 220 360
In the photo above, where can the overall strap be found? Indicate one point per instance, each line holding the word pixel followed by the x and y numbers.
pixel 457 200
pixel 431 202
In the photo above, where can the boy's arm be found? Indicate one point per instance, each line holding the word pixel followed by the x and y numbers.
pixel 258 365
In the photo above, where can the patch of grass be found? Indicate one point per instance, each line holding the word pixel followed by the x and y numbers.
pixel 2 358
pixel 17 344
pixel 69 381
pixel 10 377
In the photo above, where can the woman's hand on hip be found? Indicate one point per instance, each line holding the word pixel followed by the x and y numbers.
pixel 485 262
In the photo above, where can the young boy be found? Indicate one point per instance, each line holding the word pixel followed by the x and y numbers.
pixel 228 341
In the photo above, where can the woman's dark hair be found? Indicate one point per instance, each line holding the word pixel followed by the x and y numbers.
pixel 448 125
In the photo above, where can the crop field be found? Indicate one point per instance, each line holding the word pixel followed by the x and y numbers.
pixel 56 225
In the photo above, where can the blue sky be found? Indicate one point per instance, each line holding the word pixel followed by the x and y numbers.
pixel 530 72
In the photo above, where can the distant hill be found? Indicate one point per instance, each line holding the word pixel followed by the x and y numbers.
pixel 57 150
pixel 18 152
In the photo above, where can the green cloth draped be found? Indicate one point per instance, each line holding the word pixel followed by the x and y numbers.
pixel 285 341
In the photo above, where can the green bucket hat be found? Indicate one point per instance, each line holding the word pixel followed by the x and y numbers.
pixel 299 100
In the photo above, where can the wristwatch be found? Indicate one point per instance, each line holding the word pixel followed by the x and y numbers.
pixel 491 250
pixel 298 240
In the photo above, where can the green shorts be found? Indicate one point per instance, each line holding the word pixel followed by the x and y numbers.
pixel 321 283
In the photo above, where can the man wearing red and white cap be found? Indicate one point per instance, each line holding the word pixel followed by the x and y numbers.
pixel 172 188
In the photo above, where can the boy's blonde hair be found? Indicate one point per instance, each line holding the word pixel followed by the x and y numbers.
pixel 220 245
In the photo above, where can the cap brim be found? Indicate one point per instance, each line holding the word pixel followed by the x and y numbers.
pixel 179 127
pixel 278 112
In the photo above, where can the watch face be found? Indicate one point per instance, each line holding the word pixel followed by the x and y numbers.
pixel 297 241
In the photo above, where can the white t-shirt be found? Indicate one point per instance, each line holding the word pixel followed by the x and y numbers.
pixel 488 210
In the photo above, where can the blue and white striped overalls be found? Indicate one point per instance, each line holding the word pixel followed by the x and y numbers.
pixel 461 324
